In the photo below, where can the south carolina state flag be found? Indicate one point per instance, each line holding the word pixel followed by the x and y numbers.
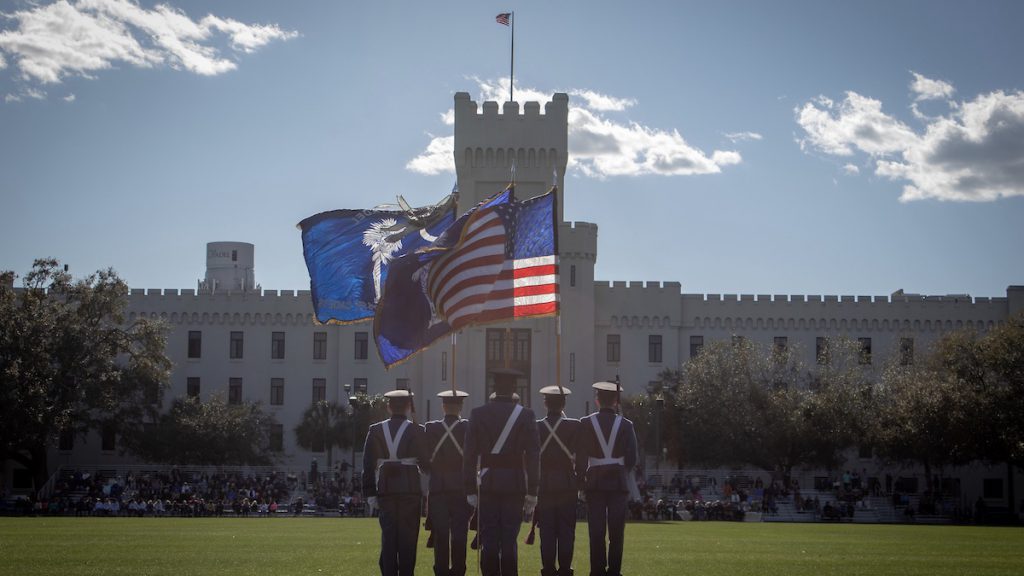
pixel 497 262
pixel 348 254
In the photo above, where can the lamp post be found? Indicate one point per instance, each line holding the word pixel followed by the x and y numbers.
pixel 352 399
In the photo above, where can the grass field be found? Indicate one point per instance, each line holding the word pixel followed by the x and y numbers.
pixel 343 546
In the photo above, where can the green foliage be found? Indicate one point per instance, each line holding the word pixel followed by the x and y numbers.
pixel 208 433
pixel 324 426
pixel 70 360
pixel 739 403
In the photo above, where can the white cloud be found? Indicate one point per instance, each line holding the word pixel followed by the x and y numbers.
pixel 851 169
pixel 857 123
pixel 53 41
pixel 599 147
pixel 448 118
pixel 69 98
pixel 742 136
pixel 975 152
pixel 603 102
pixel 928 89
pixel 438 158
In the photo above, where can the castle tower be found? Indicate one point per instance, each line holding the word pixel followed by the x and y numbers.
pixel 229 268
pixel 487 143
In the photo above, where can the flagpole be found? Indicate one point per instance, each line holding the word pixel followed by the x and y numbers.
pixel 512 64
pixel 454 348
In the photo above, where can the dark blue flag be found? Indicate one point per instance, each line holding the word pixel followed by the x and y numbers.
pixel 348 253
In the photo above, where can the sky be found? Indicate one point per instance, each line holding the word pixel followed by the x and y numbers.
pixel 789 147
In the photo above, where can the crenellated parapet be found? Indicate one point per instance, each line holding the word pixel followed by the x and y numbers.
pixel 187 307
pixel 578 241
pixel 841 314
pixel 491 139
pixel 638 304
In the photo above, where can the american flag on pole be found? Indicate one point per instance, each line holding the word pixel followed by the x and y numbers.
pixel 503 18
pixel 497 262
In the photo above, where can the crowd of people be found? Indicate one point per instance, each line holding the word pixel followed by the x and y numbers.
pixel 170 493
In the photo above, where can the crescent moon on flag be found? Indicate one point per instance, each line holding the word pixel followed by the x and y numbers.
pixel 426 235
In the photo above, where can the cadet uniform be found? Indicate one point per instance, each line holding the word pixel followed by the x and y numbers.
pixel 607 451
pixel 447 507
pixel 393 455
pixel 556 500
pixel 501 466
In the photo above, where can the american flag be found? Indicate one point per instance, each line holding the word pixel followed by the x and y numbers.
pixel 503 18
pixel 503 267
pixel 497 262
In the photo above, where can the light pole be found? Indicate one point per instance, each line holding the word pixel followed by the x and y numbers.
pixel 352 399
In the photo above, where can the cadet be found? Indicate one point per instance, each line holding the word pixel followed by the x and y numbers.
pixel 394 453
pixel 556 500
pixel 500 473
pixel 447 508
pixel 607 451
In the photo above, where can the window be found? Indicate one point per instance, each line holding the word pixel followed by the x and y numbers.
pixel 276 391
pixel 865 350
pixel 495 346
pixel 362 345
pixel 319 345
pixel 360 386
pixel 572 366
pixel 906 351
pixel 277 437
pixel 614 348
pixel 319 390
pixel 401 383
pixel 821 350
pixel 234 255
pixel 277 345
pixel 235 351
pixel 572 275
pixel 66 442
pixel 108 438
pixel 192 386
pixel 234 390
pixel 195 344
pixel 696 345
pixel 521 345
pixel 654 348
pixel 444 366
pixel 992 488
pixel 781 344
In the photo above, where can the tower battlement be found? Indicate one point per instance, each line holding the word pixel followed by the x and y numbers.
pixel 490 139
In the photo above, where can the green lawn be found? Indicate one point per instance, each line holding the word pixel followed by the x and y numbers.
pixel 342 546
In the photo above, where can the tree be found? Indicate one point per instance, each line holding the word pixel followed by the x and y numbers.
pixel 741 403
pixel 324 425
pixel 69 361
pixel 208 433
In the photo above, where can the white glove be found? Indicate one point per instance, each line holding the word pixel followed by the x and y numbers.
pixel 372 500
pixel 530 504
pixel 471 499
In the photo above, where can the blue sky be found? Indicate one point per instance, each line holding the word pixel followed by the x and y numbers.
pixel 736 147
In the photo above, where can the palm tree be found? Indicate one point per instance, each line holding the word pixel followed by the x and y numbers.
pixel 378 239
pixel 324 424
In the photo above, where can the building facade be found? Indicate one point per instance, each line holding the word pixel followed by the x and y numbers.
pixel 233 338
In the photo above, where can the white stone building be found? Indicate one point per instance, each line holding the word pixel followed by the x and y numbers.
pixel 231 337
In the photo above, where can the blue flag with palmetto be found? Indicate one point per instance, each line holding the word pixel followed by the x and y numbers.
pixel 347 253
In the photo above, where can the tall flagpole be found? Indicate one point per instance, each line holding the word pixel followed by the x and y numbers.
pixel 512 65
pixel 454 348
